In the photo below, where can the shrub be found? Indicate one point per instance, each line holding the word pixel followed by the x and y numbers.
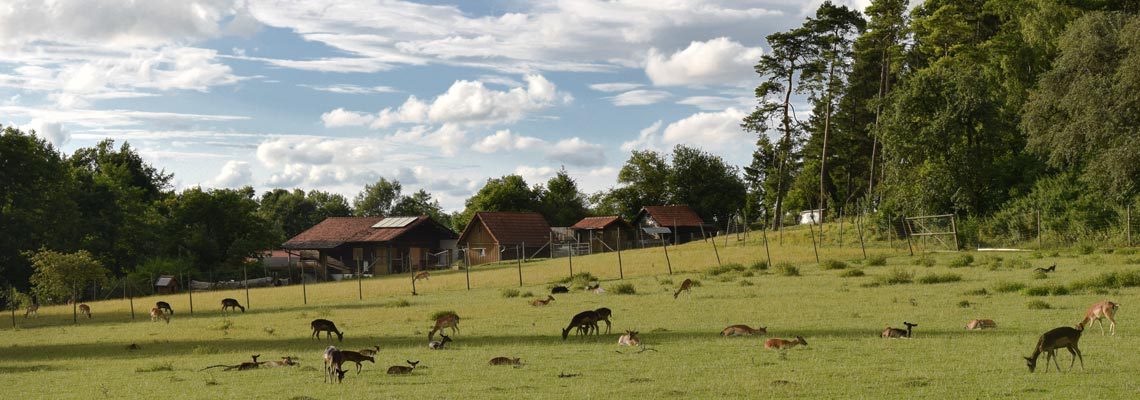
pixel 1036 291
pixel 924 261
pixel 1126 251
pixel 939 278
pixel 877 260
pixel 1086 248
pixel 528 294
pixel 578 280
pixel 897 276
pixel 964 304
pixel 852 273
pixel 156 368
pixel 786 269
pixel 724 269
pixel 1109 280
pixel 1008 287
pixel 440 314
pixel 833 264
pixel 510 293
pixel 745 282
pixel 960 261
pixel 759 266
pixel 623 288
pixel 1132 260
pixel 977 292
pixel 1039 305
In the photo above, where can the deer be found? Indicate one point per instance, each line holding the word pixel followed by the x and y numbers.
pixel 685 286
pixel 231 304
pixel 445 321
pixel 422 275
pixel 402 370
pixel 629 339
pixel 85 310
pixel 438 344
pixel 324 325
pixel 156 313
pixel 981 324
pixel 162 305
pixel 559 289
pixel 603 315
pixel 784 345
pixel 741 330
pixel 899 333
pixel 1098 312
pixel 284 362
pixel 356 357
pixel 32 310
pixel 1063 337
pixel 542 302
pixel 370 352
pixel 333 362
pixel 1046 270
pixel 584 318
pixel 245 366
pixel 505 361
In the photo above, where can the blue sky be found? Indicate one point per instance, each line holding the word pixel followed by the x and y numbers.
pixel 441 95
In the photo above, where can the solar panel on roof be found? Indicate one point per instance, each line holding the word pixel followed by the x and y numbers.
pixel 656 231
pixel 394 222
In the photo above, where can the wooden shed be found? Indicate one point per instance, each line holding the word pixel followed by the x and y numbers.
pixel 166 284
pixel 603 233
pixel 374 245
pixel 497 236
pixel 683 223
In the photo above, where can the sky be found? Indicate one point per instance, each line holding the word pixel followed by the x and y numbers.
pixel 440 95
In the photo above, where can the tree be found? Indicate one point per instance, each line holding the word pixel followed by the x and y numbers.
pixel 376 199
pixel 562 203
pixel 421 203
pixel 61 276
pixel 711 187
pixel 291 213
pixel 219 229
pixel 508 193
pixel 644 181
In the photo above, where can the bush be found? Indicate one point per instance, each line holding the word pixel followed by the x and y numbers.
pixel 877 260
pixel 833 264
pixel 852 273
pixel 510 293
pixel 724 269
pixel 1036 291
pixel 759 266
pixel 897 276
pixel 924 261
pixel 578 280
pixel 785 269
pixel 745 282
pixel 1109 280
pixel 1008 287
pixel 977 292
pixel 440 314
pixel 1126 251
pixel 964 304
pixel 1039 305
pixel 623 288
pixel 929 279
pixel 963 260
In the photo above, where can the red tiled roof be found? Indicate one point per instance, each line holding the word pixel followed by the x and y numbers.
pixel 673 215
pixel 335 231
pixel 510 228
pixel 596 222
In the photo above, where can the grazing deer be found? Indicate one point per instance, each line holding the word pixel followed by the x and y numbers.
pixel 231 304
pixel 741 330
pixel 85 310
pixel 629 339
pixel 358 358
pixel 156 313
pixel 584 318
pixel 1100 311
pixel 981 324
pixel 422 275
pixel 542 302
pixel 285 362
pixel 559 289
pixel 1063 337
pixel 370 352
pixel 604 315
pixel 445 321
pixel 333 362
pixel 438 344
pixel 324 325
pixel 685 286
pixel 784 345
pixel 402 370
pixel 1046 270
pixel 164 306
pixel 899 333
pixel 505 361
pixel 32 310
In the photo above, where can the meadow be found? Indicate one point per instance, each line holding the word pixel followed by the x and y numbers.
pixel 839 312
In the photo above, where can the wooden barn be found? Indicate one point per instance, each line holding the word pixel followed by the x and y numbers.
pixel 378 245
pixel 603 233
pixel 497 236
pixel 166 284
pixel 683 223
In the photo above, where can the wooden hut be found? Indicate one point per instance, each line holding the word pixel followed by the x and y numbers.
pixel 497 236
pixel 603 233
pixel 683 223
pixel 374 245
pixel 166 284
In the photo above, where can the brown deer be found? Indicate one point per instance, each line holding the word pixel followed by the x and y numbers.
pixel 981 324
pixel 156 313
pixel 324 325
pixel 85 310
pixel 897 333
pixel 422 275
pixel 285 362
pixel 333 365
pixel 402 370
pixel 1046 270
pixel 352 356
pixel 32 310
pixel 245 366
pixel 370 352
pixel 784 345
pixel 1098 312
pixel 445 321
pixel 1063 337
pixel 741 330
pixel 685 286
pixel 505 361
pixel 542 302
pixel 584 318
pixel 164 306
pixel 629 339
pixel 231 304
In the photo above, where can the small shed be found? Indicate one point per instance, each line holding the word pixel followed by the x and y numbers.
pixel 374 245
pixel 497 236
pixel 604 233
pixel 166 284
pixel 684 223
pixel 813 217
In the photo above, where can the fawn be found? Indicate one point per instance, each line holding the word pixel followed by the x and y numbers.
pixel 542 302
pixel 1063 337
pixel 981 324
pixel 741 330
pixel 401 370
pixel 783 345
pixel 370 352
pixel 629 339
pixel 899 333
pixel 604 315
pixel 505 361
pixel 1098 312
pixel 421 275
pixel 32 310
pixel 438 344
pixel 324 325
pixel 231 304
pixel 156 313
pixel 685 286
pixel 1046 270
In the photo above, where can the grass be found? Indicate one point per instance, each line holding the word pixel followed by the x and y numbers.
pixel 877 260
pixel 896 276
pixel 939 278
pixel 852 273
pixel 1039 305
pixel 963 260
pixel 786 269
pixel 840 319
pixel 832 265
pixel 624 288
pixel 509 293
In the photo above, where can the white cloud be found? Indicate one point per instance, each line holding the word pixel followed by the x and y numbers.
pixel 504 140
pixel 339 117
pixel 647 138
pixel 715 103
pixel 351 89
pixel 50 131
pixel 615 86
pixel 719 61
pixel 639 97
pixel 112 118
pixel 577 152
pixel 534 175
pixel 712 131
pixel 113 24
pixel 234 174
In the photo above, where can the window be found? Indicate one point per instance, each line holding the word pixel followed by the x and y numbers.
pixel 479 251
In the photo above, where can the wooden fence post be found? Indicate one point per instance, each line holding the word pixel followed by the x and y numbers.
pixel 621 274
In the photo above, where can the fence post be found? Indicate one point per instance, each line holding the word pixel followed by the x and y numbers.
pixel 1038 228
pixel 665 247
pixel 245 275
pixel 467 266
pixel 570 256
pixel 1128 224
pixel 518 257
pixel 190 291
pixel 715 251
pixel 764 231
pixel 954 226
pixel 906 228
pixel 862 245
pixel 621 274
pixel 811 231
pixel 127 294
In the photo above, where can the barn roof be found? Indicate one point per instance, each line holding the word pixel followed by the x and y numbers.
pixel 597 222
pixel 511 228
pixel 335 231
pixel 165 281
pixel 679 215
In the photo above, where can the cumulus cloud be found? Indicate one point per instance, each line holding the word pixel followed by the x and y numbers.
pixel 340 117
pixel 535 175
pixel 712 131
pixel 234 174
pixel 139 23
pixel 578 152
pixel 715 103
pixel 639 97
pixel 50 131
pixel 504 140
pixel 718 61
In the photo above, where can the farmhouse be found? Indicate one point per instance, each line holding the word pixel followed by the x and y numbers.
pixel 683 223
pixel 496 236
pixel 602 234
pixel 378 245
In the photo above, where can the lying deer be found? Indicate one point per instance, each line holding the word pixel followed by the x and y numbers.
pixel 981 324
pixel 324 325
pixel 245 366
pixel 899 333
pixel 334 361
pixel 370 352
pixel 438 344
pixel 449 320
pixel 629 339
pixel 542 302
pixel 783 345
pixel 402 370
pixel 231 304
pixel 505 361
pixel 584 318
pixel 352 356
pixel 1063 337
pixel 422 275
pixel 1098 312
pixel 156 313
pixel 285 362
pixel 85 310
pixel 32 310
pixel 685 286
pixel 164 306
pixel 741 330
pixel 1046 270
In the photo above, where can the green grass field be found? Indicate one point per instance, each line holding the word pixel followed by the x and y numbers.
pixel 840 316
